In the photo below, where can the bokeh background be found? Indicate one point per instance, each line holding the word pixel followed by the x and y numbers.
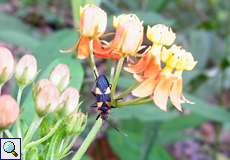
pixel 202 132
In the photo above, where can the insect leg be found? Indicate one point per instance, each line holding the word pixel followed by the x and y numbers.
pixel 98 116
pixel 94 105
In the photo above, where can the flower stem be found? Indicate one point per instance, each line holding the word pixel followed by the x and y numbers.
pixel 88 140
pixel 43 139
pixel 133 102
pixel 127 91
pixel 18 123
pixel 8 134
pixel 32 129
pixel 92 61
pixel 117 75
pixel 112 72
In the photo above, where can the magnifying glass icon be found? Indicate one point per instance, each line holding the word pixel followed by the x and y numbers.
pixel 9 147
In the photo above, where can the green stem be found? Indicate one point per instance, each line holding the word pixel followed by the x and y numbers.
pixel 18 123
pixel 32 129
pixel 150 140
pixel 92 63
pixel 88 140
pixel 43 139
pixel 117 75
pixel 112 72
pixel 75 4
pixel 127 91
pixel 8 134
pixel 133 102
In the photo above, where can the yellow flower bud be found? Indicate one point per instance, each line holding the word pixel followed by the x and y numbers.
pixel 161 34
pixel 129 33
pixel 93 21
pixel 69 100
pixel 60 76
pixel 26 70
pixel 9 111
pixel 47 98
pixel 6 65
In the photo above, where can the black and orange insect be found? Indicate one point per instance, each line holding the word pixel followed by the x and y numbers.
pixel 102 92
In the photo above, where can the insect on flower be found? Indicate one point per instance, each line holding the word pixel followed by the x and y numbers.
pixel 102 92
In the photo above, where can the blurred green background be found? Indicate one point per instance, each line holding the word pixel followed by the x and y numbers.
pixel 202 132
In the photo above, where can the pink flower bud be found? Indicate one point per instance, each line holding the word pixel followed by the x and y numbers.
pixel 9 111
pixel 6 65
pixel 93 21
pixel 60 76
pixel 46 98
pixel 26 70
pixel 69 100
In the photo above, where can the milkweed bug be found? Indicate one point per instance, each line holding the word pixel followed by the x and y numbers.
pixel 102 92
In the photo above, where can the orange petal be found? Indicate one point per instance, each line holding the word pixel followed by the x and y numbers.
pixel 153 68
pixel 175 93
pixel 83 48
pixel 145 88
pixel 161 92
pixel 102 52
pixel 140 66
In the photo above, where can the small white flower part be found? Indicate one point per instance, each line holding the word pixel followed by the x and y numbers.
pixel 26 70
pixel 60 76
pixel 129 33
pixel 69 100
pixel 6 65
pixel 161 35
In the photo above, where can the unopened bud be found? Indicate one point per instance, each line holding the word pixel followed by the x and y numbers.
pixel 26 70
pixel 60 76
pixel 9 111
pixel 39 85
pixel 75 123
pixel 46 99
pixel 69 100
pixel 6 65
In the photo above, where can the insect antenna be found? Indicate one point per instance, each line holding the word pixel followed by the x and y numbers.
pixel 117 129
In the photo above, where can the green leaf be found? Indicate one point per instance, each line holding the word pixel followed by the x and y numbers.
pixel 76 81
pixel 159 152
pixel 209 111
pixel 19 39
pixel 145 112
pixel 12 23
pixel 13 31
pixel 151 18
pixel 49 49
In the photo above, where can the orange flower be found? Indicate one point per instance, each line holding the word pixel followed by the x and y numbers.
pixel 93 21
pixel 167 83
pixel 128 37
pixel 160 35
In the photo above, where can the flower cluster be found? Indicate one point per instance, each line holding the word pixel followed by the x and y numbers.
pixel 162 82
pixel 56 103
pixel 158 70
